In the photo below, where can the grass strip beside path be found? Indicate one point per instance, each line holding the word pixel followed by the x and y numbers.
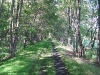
pixel 75 67
pixel 28 57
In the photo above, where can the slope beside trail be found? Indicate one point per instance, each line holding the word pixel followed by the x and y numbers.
pixel 58 63
pixel 38 59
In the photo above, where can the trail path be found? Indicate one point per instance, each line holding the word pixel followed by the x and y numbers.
pixel 58 63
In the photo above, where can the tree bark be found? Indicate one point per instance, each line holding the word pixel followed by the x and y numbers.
pixel 12 37
pixel 78 34
pixel 19 8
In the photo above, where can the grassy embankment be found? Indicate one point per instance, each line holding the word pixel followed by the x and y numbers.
pixel 76 66
pixel 29 61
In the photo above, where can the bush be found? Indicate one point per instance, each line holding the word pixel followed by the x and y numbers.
pixel 91 54
pixel 88 54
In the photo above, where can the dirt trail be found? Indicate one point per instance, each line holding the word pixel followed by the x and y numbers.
pixel 58 63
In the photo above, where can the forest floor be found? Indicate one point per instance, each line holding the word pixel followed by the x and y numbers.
pixel 42 59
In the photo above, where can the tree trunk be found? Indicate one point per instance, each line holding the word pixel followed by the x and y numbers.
pixel 13 28
pixel 12 37
pixel 78 34
pixel 19 8
pixel 99 31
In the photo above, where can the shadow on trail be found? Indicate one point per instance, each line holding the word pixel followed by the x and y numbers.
pixel 58 63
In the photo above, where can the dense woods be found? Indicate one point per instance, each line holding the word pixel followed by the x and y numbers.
pixel 73 23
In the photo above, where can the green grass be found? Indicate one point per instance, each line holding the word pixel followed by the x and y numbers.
pixel 76 68
pixel 30 59
pixel 81 69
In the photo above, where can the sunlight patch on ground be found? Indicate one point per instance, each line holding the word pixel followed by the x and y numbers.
pixel 68 48
pixel 88 72
pixel 81 60
pixel 25 52
pixel 74 67
pixel 78 60
pixel 47 55
pixel 49 66
pixel 11 66
pixel 70 53
pixel 44 70
pixel 7 69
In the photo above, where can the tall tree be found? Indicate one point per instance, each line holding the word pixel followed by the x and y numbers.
pixel 78 34
pixel 13 27
pixel 99 31
pixel 12 37
pixel 19 8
